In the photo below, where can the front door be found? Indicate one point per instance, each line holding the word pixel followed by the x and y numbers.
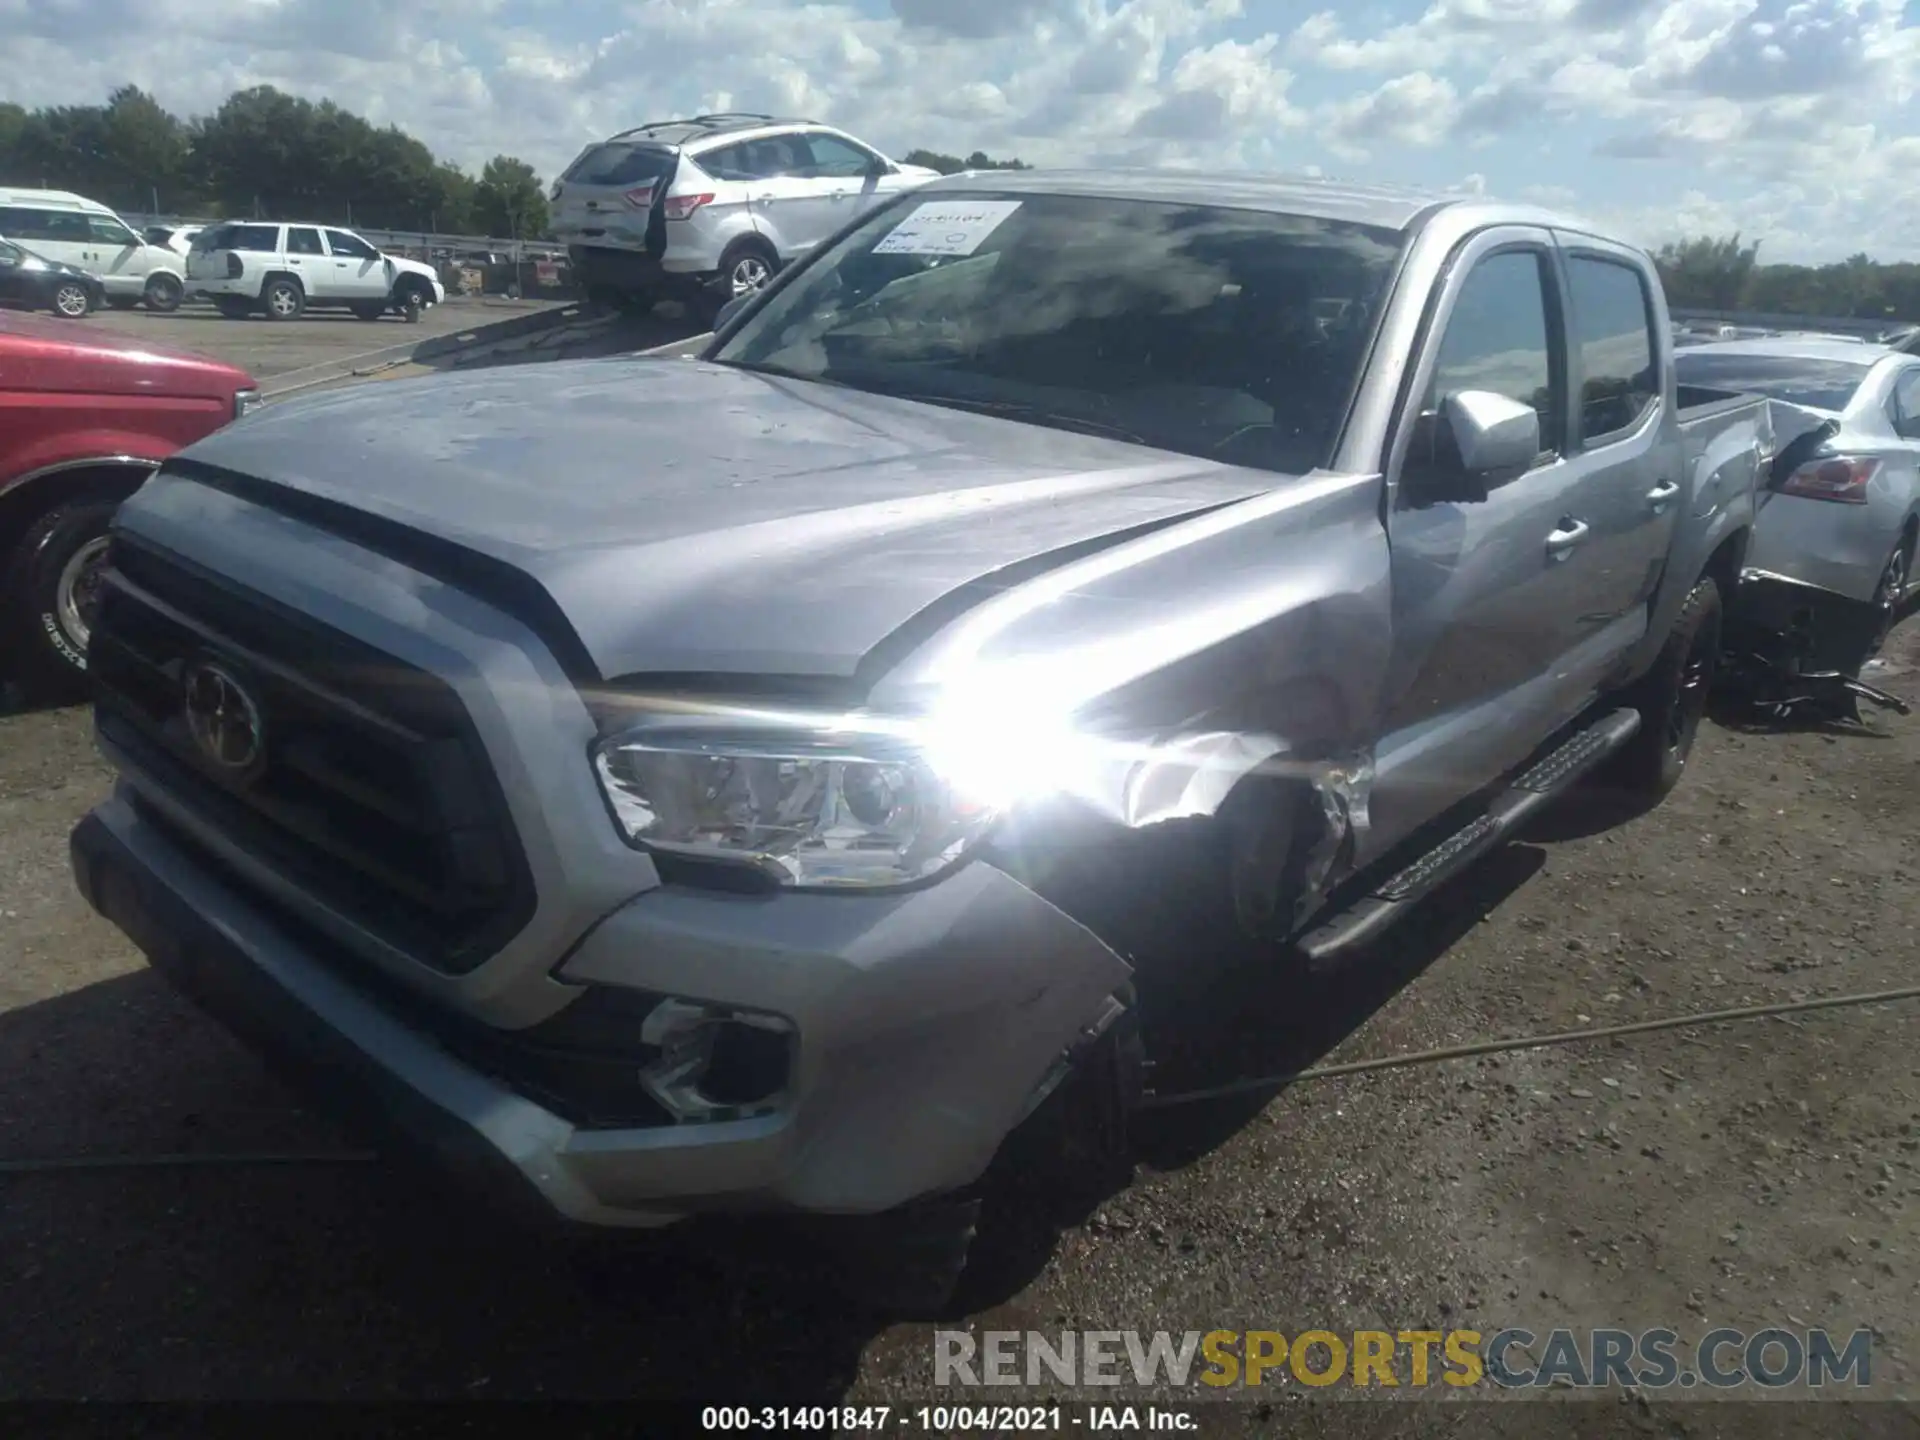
pixel 358 271
pixel 119 257
pixel 1483 591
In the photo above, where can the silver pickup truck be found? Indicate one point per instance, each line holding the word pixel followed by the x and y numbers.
pixel 784 779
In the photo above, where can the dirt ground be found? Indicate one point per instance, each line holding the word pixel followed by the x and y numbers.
pixel 1749 1175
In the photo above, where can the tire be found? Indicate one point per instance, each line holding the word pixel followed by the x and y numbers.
pixel 1891 590
pixel 163 294
pixel 412 298
pixel 283 299
pixel 746 266
pixel 43 619
pixel 1672 700
pixel 369 311
pixel 71 300
pixel 233 307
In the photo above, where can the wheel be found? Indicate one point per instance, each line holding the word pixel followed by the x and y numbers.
pixel 233 307
pixel 413 300
pixel 283 298
pixel 163 293
pixel 1672 699
pixel 369 311
pixel 746 267
pixel 71 300
pixel 48 591
pixel 1891 590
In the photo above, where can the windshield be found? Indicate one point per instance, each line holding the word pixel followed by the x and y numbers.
pixel 1233 334
pixel 1815 384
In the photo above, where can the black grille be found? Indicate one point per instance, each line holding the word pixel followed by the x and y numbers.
pixel 375 794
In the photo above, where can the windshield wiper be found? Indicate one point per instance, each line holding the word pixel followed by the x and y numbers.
pixel 1020 410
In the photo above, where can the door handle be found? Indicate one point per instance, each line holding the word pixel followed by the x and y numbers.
pixel 1561 542
pixel 1662 494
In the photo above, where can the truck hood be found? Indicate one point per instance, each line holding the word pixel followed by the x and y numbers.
pixel 695 518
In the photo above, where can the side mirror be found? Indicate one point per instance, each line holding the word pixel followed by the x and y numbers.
pixel 1475 443
pixel 879 166
pixel 732 308
pixel 1497 437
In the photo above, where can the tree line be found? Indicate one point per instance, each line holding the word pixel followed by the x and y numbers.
pixel 268 155
pixel 265 155
pixel 1725 273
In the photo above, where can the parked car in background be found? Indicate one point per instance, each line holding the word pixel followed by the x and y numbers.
pixel 83 233
pixel 1846 519
pixel 177 238
pixel 709 208
pixel 282 271
pixel 85 416
pixel 33 282
pixel 1073 588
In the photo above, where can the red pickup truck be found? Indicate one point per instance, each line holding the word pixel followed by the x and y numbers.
pixel 85 417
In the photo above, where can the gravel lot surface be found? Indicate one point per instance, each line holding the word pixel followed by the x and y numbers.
pixel 266 348
pixel 1754 1174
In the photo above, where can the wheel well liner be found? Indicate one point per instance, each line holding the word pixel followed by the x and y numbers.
pixel 26 501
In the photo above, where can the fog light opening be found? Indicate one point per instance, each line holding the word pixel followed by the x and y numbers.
pixel 715 1063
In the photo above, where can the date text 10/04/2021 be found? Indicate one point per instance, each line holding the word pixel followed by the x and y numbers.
pixel 946 1419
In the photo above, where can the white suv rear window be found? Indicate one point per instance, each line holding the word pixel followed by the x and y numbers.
pixel 620 163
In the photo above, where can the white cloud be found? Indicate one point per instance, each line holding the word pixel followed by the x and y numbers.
pixel 1788 118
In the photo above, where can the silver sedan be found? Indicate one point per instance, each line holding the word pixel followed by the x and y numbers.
pixel 1847 519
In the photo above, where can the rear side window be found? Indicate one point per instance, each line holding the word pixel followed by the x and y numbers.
pixel 244 237
pixel 303 240
pixel 1612 340
pixel 736 162
pixel 30 222
pixel 620 163
pixel 1903 407
pixel 1498 339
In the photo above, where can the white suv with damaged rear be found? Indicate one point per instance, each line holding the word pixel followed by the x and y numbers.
pixel 708 209
pixel 284 270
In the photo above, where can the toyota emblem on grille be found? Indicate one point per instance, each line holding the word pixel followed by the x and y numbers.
pixel 224 719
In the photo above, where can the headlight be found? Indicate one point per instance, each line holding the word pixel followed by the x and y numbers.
pixel 819 804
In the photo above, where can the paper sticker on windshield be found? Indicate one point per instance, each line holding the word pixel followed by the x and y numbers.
pixel 946 227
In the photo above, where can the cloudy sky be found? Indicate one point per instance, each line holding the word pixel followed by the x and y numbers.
pixel 1793 120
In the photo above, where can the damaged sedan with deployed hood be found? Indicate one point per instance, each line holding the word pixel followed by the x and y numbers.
pixel 786 779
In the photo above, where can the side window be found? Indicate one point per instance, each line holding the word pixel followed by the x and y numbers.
pixel 1498 339
pixel 730 162
pixel 1613 338
pixel 341 243
pixel 105 230
pixel 66 226
pixel 1906 404
pixel 256 239
pixel 9 254
pixel 836 159
pixel 303 240
pixel 770 159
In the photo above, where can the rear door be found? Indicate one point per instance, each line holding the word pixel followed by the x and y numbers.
pixel 16 284
pixel 606 196
pixel 307 258
pixel 356 270
pixel 51 234
pixel 1623 468
pixel 790 206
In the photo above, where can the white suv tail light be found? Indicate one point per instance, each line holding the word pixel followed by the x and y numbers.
pixel 679 207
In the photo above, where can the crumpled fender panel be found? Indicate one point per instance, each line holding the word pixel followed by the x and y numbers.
pixel 1273 613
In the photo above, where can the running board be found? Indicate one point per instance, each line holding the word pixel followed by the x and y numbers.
pixel 1341 936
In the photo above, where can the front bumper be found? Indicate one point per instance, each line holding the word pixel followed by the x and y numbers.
pixel 927 1024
